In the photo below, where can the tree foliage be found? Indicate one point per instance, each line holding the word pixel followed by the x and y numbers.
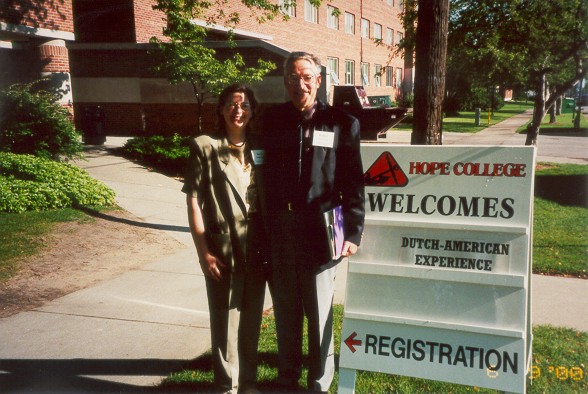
pixel 533 44
pixel 185 56
pixel 32 122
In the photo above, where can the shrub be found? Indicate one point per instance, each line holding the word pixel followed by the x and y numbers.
pixel 406 101
pixel 32 122
pixel 29 183
pixel 169 154
pixel 470 100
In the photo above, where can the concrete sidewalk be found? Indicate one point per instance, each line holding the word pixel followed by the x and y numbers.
pixel 551 147
pixel 123 335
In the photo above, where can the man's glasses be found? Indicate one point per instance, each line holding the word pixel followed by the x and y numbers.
pixel 307 79
pixel 244 106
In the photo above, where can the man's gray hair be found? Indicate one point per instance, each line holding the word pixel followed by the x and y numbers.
pixel 309 57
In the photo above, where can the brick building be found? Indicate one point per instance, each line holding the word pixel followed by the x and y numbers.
pixel 111 68
pixel 33 43
pixel 354 39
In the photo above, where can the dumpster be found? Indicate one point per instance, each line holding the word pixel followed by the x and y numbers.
pixel 374 120
pixel 380 101
pixel 93 125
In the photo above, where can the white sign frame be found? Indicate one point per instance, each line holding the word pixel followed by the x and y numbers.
pixel 444 267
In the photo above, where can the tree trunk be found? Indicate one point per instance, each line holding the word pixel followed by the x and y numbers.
pixel 429 89
pixel 199 102
pixel 199 114
pixel 541 103
pixel 552 118
pixel 538 111
pixel 551 109
pixel 558 105
pixel 578 115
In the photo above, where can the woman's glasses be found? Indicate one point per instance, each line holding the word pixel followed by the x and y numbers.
pixel 244 106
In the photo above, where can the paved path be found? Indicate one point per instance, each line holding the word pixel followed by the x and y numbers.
pixel 123 335
pixel 551 147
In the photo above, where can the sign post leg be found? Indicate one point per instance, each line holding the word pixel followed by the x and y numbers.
pixel 346 381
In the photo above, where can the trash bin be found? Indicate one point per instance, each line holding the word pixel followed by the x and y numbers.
pixel 93 125
pixel 568 106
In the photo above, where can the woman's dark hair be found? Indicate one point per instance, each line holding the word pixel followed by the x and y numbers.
pixel 224 96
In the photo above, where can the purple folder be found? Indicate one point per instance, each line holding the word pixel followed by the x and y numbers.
pixel 335 234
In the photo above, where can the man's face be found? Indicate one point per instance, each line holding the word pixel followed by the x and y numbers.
pixel 302 83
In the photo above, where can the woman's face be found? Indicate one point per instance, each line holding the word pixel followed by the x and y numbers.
pixel 237 112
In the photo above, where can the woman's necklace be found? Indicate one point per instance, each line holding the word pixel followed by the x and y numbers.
pixel 239 152
pixel 237 145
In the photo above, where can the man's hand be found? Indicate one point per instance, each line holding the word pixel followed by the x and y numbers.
pixel 212 267
pixel 349 248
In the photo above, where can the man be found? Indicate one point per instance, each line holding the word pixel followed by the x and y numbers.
pixel 312 164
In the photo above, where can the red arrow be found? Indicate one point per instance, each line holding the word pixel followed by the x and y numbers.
pixel 351 342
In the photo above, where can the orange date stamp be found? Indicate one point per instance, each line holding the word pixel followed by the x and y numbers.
pixel 560 372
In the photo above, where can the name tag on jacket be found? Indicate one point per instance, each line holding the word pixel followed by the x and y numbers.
pixel 323 138
pixel 258 156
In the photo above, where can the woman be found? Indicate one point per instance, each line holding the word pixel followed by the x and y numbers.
pixel 224 222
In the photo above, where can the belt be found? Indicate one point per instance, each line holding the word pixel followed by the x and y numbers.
pixel 288 207
pixel 292 206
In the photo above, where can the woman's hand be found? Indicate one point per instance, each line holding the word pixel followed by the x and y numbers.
pixel 212 267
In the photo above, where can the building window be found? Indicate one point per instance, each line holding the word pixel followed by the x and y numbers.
pixel 332 17
pixel 400 4
pixel 389 37
pixel 365 74
pixel 349 72
pixel 310 12
pixel 378 31
pixel 390 2
pixel 399 37
pixel 378 75
pixel 288 8
pixel 333 70
pixel 349 23
pixel 365 28
pixel 389 76
pixel 398 78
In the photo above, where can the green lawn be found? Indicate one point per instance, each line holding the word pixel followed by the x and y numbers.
pixel 564 124
pixel 559 362
pixel 560 240
pixel 23 234
pixel 560 228
pixel 465 122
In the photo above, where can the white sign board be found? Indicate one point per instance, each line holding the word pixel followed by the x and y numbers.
pixel 440 288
